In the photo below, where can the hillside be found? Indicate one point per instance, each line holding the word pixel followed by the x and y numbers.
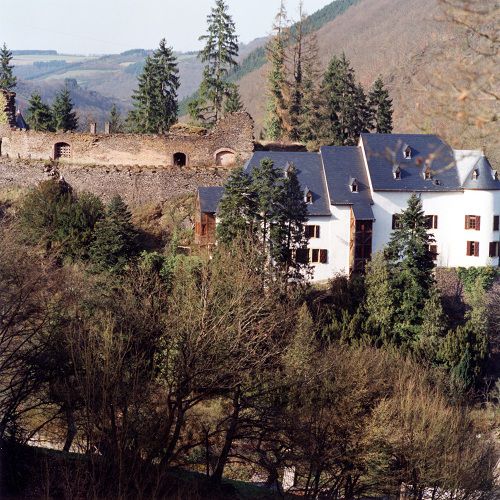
pixel 406 42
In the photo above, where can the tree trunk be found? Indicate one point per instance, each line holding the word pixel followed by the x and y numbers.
pixel 71 429
pixel 228 442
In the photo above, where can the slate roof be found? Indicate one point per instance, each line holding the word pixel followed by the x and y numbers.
pixel 342 164
pixel 210 198
pixel 384 152
pixel 485 177
pixel 309 174
pixel 20 122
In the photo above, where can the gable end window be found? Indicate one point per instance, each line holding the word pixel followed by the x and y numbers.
pixel 396 221
pixel 433 251
pixel 494 249
pixel 431 221
pixel 473 248
pixel 312 231
pixel 496 222
pixel 473 222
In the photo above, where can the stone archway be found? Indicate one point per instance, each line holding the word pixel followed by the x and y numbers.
pixel 180 159
pixel 225 157
pixel 62 150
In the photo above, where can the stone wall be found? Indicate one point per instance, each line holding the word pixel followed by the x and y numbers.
pixel 233 134
pixel 137 185
pixel 7 108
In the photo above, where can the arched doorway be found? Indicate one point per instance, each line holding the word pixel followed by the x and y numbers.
pixel 180 159
pixel 62 150
pixel 225 158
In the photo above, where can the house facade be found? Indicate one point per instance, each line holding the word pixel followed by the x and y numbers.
pixel 355 194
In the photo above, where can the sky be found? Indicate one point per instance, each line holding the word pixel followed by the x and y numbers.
pixel 112 26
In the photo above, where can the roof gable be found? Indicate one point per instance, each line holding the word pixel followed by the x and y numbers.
pixel 482 176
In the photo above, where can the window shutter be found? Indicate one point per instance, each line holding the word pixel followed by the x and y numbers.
pixel 468 250
pixel 496 222
pixel 435 222
pixel 323 256
pixel 317 231
pixel 493 248
pixel 476 249
pixel 466 222
pixel 478 222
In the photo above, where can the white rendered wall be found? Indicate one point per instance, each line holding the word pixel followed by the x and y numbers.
pixel 334 237
pixel 451 235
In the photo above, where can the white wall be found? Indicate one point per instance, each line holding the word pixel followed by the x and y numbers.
pixel 451 236
pixel 334 237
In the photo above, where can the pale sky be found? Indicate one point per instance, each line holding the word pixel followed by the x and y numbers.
pixel 111 26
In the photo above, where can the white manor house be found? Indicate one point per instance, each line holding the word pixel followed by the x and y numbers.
pixel 355 193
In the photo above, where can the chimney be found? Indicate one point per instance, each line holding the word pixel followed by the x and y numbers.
pixel 93 127
pixel 107 128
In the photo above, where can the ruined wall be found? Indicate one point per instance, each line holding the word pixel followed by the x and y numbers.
pixel 234 134
pixel 137 185
pixel 7 109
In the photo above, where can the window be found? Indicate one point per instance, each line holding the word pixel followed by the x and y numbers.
pixel 317 256
pixel 308 198
pixel 407 153
pixel 396 221
pixel 180 160
pixel 354 186
pixel 496 222
pixel 494 249
pixel 475 174
pixel 312 231
pixel 473 248
pixel 397 173
pixel 427 174
pixel 433 251
pixel 431 221
pixel 62 150
pixel 473 222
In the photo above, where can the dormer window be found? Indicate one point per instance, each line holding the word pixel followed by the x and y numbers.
pixel 289 169
pixel 427 174
pixel 494 173
pixel 308 196
pixel 396 172
pixel 475 174
pixel 407 153
pixel 354 186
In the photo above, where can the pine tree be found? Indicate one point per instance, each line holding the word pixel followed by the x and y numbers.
pixel 219 55
pixel 62 111
pixel 343 101
pixel 115 120
pixel 115 238
pixel 233 102
pixel 412 268
pixel 155 100
pixel 39 116
pixel 287 233
pixel 276 101
pixel 236 208
pixel 380 106
pixel 7 79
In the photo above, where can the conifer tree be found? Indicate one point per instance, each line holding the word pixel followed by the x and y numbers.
pixel 380 106
pixel 237 208
pixel 62 111
pixel 412 268
pixel 115 120
pixel 115 238
pixel 219 55
pixel 7 79
pixel 287 232
pixel 276 101
pixel 155 100
pixel 233 102
pixel 343 104
pixel 39 116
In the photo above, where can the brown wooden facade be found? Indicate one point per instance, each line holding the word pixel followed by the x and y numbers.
pixel 204 227
pixel 360 244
